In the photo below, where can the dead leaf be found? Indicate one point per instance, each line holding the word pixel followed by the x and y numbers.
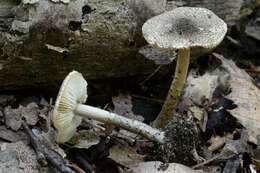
pixel 1 114
pixel 156 55
pixel 6 100
pixel 159 167
pixel 200 88
pixel 217 143
pixel 252 29
pixel 10 136
pixel 30 113
pixel 85 139
pixel 123 106
pixel 56 48
pixel 200 115
pixel 244 94
pixel 125 155
pixel 12 118
pixel 29 1
pixel 63 1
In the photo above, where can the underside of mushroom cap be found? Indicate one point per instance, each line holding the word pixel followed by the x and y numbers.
pixel 73 91
pixel 185 27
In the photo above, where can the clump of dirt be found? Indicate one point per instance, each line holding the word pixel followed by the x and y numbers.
pixel 182 138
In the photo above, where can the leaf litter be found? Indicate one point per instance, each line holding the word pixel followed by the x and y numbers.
pixel 213 94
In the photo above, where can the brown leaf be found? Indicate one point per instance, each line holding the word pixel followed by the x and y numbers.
pixel 30 113
pixel 125 155
pixel 10 136
pixel 200 88
pixel 123 106
pixel 244 94
pixel 12 118
pixel 217 143
pixel 159 167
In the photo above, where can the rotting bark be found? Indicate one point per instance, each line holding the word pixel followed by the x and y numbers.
pixel 228 10
pixel 105 45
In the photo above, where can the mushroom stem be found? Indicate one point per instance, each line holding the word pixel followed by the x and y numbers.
pixel 175 90
pixel 126 123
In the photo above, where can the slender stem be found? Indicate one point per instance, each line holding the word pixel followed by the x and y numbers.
pixel 175 90
pixel 126 123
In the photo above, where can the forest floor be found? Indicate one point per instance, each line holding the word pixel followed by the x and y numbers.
pixel 216 124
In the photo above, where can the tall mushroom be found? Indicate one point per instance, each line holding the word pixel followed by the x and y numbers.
pixel 182 29
pixel 69 111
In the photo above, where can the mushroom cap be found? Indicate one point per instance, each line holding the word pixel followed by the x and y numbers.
pixel 185 27
pixel 72 92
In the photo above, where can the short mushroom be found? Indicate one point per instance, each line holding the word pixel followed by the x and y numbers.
pixel 182 29
pixel 69 111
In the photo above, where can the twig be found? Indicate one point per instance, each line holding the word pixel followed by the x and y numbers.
pixel 46 155
pixel 151 75
pixel 255 71
pixel 148 99
pixel 76 167
pixel 83 162
pixel 57 161
pixel 207 161
pixel 234 41
pixel 36 145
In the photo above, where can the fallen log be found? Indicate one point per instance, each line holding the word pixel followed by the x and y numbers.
pixel 41 41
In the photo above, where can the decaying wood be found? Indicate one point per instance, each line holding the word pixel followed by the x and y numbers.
pixel 42 41
pixel 105 45
pixel 228 10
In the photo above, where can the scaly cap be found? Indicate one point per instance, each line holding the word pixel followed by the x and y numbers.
pixel 185 27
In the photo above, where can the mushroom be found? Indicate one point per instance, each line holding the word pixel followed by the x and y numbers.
pixel 69 111
pixel 182 29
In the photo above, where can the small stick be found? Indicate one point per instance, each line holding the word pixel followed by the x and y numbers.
pixel 255 71
pixel 159 101
pixel 57 161
pixel 76 167
pixel 151 75
pixel 83 163
pixel 37 145
pixel 207 161
pixel 46 155
pixel 234 41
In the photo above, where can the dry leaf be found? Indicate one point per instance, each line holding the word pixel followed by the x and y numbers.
pixel 13 118
pixel 125 155
pixel 6 100
pixel 29 1
pixel 10 136
pixel 244 94
pixel 85 139
pixel 200 115
pixel 200 88
pixel 123 106
pixel 159 167
pixel 30 113
pixel 217 143
pixel 56 48
pixel 156 55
